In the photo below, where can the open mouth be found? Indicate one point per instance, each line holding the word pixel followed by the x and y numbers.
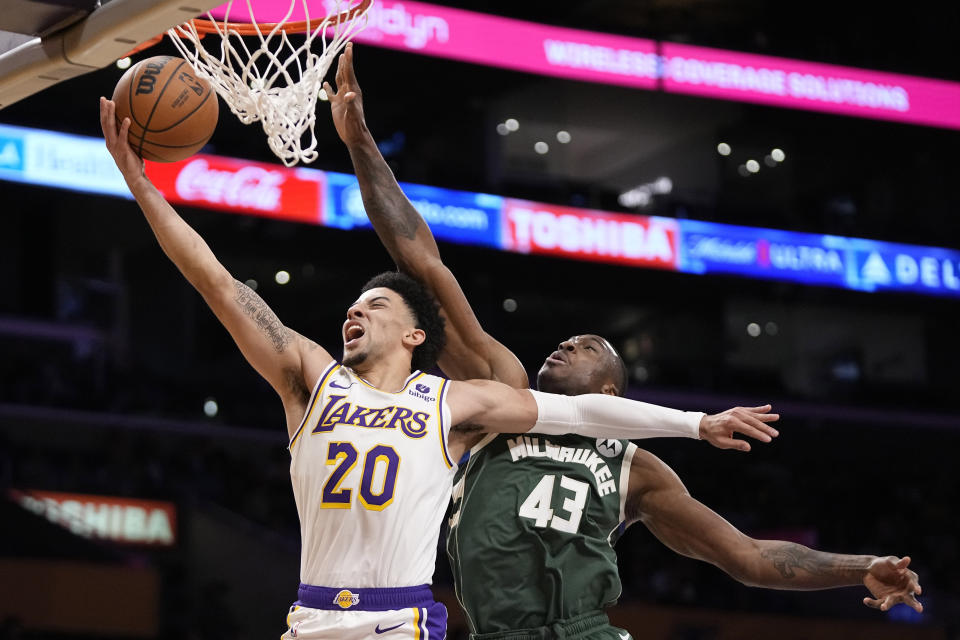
pixel 556 358
pixel 352 334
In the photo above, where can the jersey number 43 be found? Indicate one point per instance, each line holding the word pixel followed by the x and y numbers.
pixel 539 504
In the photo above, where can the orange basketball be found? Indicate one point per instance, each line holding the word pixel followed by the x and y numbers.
pixel 172 111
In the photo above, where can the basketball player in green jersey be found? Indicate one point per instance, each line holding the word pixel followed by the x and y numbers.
pixel 534 519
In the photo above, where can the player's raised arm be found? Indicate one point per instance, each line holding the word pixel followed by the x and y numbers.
pixel 470 352
pixel 496 407
pixel 658 498
pixel 288 361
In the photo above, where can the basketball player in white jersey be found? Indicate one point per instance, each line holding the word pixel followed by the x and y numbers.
pixel 371 438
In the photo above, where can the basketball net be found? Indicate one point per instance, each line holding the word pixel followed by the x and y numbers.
pixel 281 93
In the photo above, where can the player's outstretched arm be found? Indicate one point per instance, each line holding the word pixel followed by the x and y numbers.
pixel 470 352
pixel 657 497
pixel 288 361
pixel 498 408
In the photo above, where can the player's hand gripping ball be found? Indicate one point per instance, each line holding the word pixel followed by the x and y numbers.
pixel 172 112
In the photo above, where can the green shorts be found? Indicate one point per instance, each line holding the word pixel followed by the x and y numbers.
pixel 589 626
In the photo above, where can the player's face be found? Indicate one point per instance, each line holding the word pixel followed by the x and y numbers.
pixel 376 323
pixel 581 364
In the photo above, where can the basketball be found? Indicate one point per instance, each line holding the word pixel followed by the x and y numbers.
pixel 172 111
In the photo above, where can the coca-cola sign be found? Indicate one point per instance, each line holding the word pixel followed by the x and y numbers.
pixel 250 187
pixel 244 187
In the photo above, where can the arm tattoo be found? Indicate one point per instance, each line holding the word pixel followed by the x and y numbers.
pixel 385 201
pixel 405 221
pixel 266 320
pixel 787 557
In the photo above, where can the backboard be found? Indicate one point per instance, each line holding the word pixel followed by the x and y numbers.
pixel 43 43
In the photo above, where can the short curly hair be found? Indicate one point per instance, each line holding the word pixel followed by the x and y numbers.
pixel 426 313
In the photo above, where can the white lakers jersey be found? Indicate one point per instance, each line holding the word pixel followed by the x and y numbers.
pixel 371 478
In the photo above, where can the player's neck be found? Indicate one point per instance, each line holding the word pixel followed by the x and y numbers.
pixel 387 374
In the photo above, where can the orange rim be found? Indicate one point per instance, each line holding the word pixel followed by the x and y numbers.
pixel 203 25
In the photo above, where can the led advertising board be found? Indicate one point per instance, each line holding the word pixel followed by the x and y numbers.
pixel 333 200
pixel 576 54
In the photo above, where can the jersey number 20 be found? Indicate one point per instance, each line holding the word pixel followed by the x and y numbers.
pixel 539 504
pixel 344 455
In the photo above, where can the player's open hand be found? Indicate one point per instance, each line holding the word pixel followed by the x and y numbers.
pixel 346 103
pixel 129 163
pixel 718 429
pixel 891 582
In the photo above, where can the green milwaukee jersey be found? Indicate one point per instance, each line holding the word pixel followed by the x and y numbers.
pixel 532 528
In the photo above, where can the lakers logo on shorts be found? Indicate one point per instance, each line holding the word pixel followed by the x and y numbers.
pixel 346 599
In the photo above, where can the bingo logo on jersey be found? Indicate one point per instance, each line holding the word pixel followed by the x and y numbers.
pixel 422 391
pixel 346 599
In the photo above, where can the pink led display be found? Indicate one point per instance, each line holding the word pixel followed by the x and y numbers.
pixel 546 50
pixel 490 40
pixel 714 73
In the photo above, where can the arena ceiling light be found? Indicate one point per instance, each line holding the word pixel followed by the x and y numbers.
pixel 642 195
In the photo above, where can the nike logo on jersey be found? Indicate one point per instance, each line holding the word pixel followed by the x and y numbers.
pixel 397 626
pixel 333 383
pixel 527 447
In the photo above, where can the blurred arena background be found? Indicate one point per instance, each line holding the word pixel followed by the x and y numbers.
pixel 143 463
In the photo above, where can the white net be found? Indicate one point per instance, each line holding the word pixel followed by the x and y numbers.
pixel 278 82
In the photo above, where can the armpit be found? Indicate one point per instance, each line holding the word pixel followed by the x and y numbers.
pixel 466 428
pixel 293 380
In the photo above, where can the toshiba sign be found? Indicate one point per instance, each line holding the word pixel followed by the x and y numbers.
pixel 229 184
pixel 533 227
pixel 128 520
